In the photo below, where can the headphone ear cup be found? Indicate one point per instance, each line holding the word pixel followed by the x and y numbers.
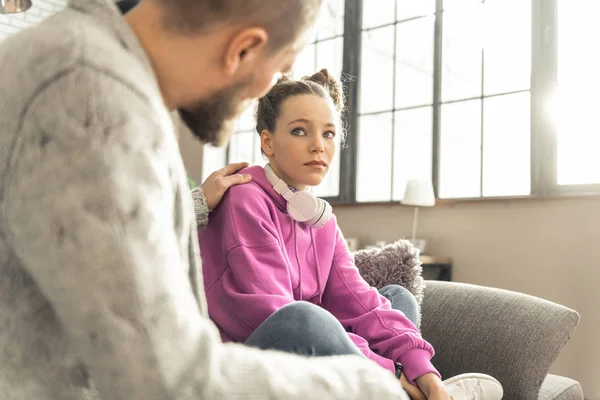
pixel 303 206
pixel 323 214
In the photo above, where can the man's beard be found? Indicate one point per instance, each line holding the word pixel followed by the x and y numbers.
pixel 213 120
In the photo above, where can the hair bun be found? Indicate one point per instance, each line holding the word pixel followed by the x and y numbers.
pixel 284 78
pixel 322 77
pixel 333 86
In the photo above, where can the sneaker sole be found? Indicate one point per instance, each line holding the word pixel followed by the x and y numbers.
pixel 482 378
pixel 471 375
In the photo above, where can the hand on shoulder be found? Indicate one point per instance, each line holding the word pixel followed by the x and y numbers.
pixel 215 186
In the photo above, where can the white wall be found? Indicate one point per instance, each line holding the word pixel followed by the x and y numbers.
pixel 11 23
pixel 546 248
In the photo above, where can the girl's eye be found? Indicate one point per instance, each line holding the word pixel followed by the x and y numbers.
pixel 329 135
pixel 298 132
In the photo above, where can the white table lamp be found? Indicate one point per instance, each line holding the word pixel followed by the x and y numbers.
pixel 418 193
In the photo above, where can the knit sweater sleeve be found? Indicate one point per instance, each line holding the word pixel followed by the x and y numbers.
pixel 201 210
pixel 89 212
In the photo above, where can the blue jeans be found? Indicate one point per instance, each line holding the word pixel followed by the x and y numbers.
pixel 307 329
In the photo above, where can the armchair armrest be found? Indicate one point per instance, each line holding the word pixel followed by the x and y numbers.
pixel 511 336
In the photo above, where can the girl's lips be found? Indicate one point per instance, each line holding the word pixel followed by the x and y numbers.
pixel 316 164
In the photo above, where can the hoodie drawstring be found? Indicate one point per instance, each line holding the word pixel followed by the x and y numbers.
pixel 298 261
pixel 318 271
pixel 312 240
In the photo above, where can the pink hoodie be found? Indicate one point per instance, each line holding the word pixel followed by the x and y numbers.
pixel 256 259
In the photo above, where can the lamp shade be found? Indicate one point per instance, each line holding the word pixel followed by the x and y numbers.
pixel 14 6
pixel 419 192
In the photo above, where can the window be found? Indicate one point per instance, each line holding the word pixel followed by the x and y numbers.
pixel 578 135
pixel 396 98
pixel 475 89
pixel 488 98
pixel 485 104
pixel 325 51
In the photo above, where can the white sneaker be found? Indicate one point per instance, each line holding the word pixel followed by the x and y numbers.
pixel 474 387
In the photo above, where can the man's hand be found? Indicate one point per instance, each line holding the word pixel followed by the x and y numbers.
pixel 433 387
pixel 215 186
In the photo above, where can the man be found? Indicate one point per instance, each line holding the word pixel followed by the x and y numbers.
pixel 101 294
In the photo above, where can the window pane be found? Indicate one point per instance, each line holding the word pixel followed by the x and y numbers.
pixel 578 139
pixel 506 145
pixel 412 147
pixel 413 8
pixel 330 187
pixel 576 110
pixel 305 62
pixel 502 44
pixel 329 55
pixel 376 86
pixel 462 51
pixel 213 158
pixel 331 21
pixel 460 150
pixel 241 147
pixel 578 51
pixel 374 169
pixel 376 13
pixel 414 62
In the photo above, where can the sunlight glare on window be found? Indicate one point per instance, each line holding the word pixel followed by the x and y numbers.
pixel 575 108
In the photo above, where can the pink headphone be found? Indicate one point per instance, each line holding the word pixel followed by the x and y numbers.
pixel 302 206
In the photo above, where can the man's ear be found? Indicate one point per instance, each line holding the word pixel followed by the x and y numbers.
pixel 266 143
pixel 244 48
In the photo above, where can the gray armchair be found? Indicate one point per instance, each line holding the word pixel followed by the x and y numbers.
pixel 512 336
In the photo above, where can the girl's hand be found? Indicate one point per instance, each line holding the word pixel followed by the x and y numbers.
pixel 433 387
pixel 413 391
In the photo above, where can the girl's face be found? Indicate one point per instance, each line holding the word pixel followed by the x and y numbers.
pixel 302 147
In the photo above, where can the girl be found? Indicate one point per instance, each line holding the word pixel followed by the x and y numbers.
pixel 278 273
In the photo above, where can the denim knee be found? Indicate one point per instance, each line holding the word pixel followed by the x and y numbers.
pixel 304 314
pixel 303 328
pixel 391 291
pixel 402 300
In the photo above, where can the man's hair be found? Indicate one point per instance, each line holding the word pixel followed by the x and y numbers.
pixel 284 20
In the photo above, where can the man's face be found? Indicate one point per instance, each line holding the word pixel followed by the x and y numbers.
pixel 212 119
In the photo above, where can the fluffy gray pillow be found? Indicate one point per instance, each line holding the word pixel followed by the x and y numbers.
pixel 394 264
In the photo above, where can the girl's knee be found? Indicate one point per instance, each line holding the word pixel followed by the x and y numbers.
pixel 304 312
pixel 392 291
pixel 304 328
pixel 403 300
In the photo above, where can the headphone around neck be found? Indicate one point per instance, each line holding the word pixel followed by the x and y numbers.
pixel 302 206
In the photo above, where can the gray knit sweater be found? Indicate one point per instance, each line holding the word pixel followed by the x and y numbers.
pixel 101 293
